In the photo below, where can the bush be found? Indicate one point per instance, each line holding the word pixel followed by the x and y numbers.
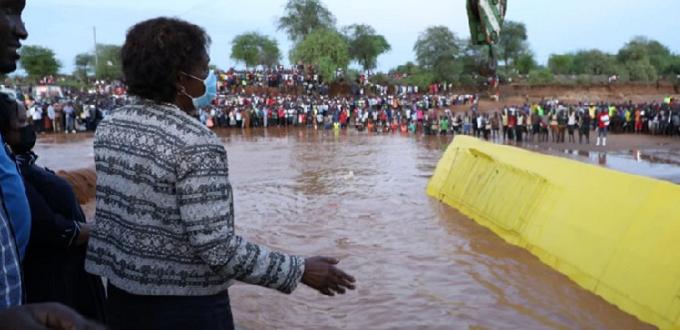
pixel 541 77
pixel 565 80
pixel 422 80
pixel 642 72
pixel 583 80
pixel 467 80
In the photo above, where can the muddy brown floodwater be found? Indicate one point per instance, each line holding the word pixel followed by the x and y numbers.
pixel 419 263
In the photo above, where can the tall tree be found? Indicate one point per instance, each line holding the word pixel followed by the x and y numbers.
pixel 526 63
pixel 674 67
pixel 471 56
pixel 254 49
pixel 302 17
pixel 110 64
pixel 269 55
pixel 84 65
pixel 561 64
pixel 408 68
pixel 39 61
pixel 512 42
pixel 324 48
pixel 245 48
pixel 365 45
pixel 640 48
pixel 595 62
pixel 437 49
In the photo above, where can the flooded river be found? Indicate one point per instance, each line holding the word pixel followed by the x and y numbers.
pixel 419 263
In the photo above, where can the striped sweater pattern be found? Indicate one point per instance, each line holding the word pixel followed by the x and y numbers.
pixel 165 210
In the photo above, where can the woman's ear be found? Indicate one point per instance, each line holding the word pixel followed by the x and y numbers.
pixel 179 84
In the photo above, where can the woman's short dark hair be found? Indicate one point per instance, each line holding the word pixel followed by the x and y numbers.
pixel 154 53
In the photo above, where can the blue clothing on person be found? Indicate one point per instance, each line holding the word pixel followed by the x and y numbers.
pixel 15 200
pixel 11 294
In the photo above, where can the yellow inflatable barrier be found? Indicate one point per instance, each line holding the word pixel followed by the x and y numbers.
pixel 617 235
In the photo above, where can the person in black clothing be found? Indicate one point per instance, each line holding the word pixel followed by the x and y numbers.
pixel 584 127
pixel 54 268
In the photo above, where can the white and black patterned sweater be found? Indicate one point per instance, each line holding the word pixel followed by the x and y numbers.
pixel 165 210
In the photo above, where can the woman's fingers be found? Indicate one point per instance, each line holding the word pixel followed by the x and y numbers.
pixel 332 261
pixel 327 292
pixel 339 289
pixel 343 275
pixel 345 283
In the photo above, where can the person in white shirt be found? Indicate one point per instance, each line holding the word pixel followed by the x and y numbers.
pixel 38 119
pixel 571 125
pixel 239 118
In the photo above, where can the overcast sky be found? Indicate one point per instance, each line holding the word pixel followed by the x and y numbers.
pixel 66 26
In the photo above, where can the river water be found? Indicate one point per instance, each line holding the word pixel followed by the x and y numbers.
pixel 419 263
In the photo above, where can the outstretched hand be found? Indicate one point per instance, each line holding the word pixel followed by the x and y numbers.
pixel 322 275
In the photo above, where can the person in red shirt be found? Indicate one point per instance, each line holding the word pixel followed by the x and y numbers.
pixel 282 117
pixel 512 121
pixel 603 121
pixel 343 119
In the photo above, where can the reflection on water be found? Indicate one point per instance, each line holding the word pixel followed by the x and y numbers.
pixel 419 263
pixel 662 164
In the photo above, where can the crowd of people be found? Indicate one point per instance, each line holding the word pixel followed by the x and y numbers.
pixel 164 236
pixel 402 110
pixel 71 113
pixel 169 256
pixel 323 112
pixel 546 121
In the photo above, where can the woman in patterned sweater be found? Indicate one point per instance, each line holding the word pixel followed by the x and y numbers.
pixel 164 233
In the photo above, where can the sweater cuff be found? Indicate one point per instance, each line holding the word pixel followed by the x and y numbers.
pixel 297 270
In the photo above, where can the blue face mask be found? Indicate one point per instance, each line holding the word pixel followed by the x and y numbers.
pixel 210 95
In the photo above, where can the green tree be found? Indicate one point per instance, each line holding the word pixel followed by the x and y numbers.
pixel 636 57
pixel 84 65
pixel 408 68
pixel 109 65
pixel 561 64
pixel 365 45
pixel 270 55
pixel 595 62
pixel 437 50
pixel 421 79
pixel 245 48
pixel 673 67
pixel 39 61
pixel 512 42
pixel 324 48
pixel 647 50
pixel 641 71
pixel 541 77
pixel 302 17
pixel 470 57
pixel 380 79
pixel 526 63
pixel 255 49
